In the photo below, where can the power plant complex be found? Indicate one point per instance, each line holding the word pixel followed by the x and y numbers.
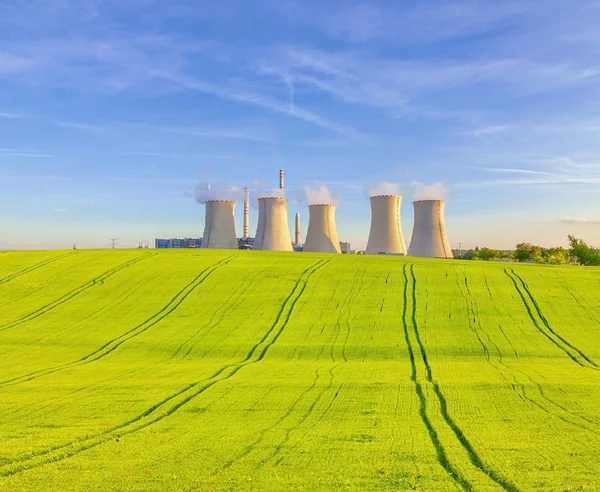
pixel 429 238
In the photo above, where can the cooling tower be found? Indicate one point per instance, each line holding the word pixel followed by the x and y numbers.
pixel 429 232
pixel 273 232
pixel 322 234
pixel 219 226
pixel 386 234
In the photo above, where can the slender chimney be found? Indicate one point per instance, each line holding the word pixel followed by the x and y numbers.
pixel 246 213
pixel 297 237
pixel 281 179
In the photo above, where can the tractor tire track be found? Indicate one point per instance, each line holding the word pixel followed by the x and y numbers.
pixel 443 459
pixel 462 439
pixel 278 448
pixel 169 405
pixel 520 388
pixel 115 343
pixel 544 327
pixel 75 292
pixel 441 454
pixel 248 449
pixel 195 339
pixel 345 309
pixel 32 268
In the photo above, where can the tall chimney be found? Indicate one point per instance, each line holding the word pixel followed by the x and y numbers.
pixel 246 213
pixel 386 234
pixel 297 237
pixel 281 179
pixel 429 231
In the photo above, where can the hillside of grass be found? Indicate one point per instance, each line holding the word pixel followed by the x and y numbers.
pixel 241 370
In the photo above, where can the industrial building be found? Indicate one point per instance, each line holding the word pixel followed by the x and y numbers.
pixel 178 243
pixel 429 237
pixel 386 236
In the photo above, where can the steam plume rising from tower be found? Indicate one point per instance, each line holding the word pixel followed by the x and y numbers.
pixel 386 232
pixel 322 232
pixel 429 237
pixel 272 232
pixel 219 226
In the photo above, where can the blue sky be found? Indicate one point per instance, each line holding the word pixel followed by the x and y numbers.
pixel 112 111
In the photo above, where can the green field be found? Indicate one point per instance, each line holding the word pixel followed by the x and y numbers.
pixel 221 370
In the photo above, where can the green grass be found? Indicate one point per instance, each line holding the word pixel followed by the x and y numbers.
pixel 218 370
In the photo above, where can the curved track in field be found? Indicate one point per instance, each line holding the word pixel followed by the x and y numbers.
pixel 174 402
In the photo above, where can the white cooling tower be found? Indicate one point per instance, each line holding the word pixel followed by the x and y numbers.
pixel 273 231
pixel 429 231
pixel 219 226
pixel 386 234
pixel 322 234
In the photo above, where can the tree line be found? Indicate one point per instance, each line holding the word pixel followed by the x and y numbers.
pixel 578 253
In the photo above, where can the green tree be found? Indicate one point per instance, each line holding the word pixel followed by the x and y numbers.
pixel 585 255
pixel 528 252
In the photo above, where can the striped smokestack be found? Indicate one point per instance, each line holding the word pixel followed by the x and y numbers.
pixel 246 213
pixel 297 237
pixel 281 179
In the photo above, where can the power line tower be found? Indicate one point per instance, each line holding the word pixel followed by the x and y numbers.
pixel 114 242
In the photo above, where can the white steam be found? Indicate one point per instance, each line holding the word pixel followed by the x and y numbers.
pixel 318 196
pixel 435 191
pixel 263 190
pixel 384 188
pixel 205 192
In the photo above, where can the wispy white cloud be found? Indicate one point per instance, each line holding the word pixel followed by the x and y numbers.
pixel 175 155
pixel 40 177
pixel 208 132
pixel 513 171
pixel 23 153
pixel 256 99
pixel 10 115
pixel 580 221
pixel 485 131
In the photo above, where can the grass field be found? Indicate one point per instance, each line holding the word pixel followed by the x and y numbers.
pixel 219 370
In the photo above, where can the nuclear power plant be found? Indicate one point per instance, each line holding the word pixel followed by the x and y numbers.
pixel 219 225
pixel 322 236
pixel 429 231
pixel 273 232
pixel 386 233
pixel 429 237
